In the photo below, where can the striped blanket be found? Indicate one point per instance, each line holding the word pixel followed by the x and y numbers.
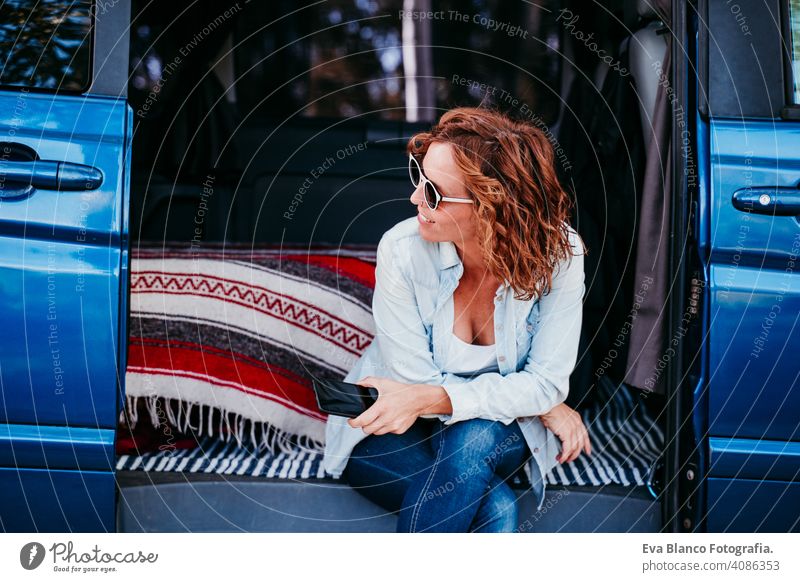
pixel 626 441
pixel 224 341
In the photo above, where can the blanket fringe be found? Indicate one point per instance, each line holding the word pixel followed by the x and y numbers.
pixel 178 414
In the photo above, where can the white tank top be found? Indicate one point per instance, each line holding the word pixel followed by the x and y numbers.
pixel 466 358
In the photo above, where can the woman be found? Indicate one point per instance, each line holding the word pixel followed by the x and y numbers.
pixel 477 309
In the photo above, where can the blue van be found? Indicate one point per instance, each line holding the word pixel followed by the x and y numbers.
pixel 126 107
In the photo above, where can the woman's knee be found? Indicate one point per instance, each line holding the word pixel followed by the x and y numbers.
pixel 498 511
pixel 476 441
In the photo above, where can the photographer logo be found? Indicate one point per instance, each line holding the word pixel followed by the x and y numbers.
pixel 31 555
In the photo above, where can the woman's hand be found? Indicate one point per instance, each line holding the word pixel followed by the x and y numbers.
pixel 396 409
pixel 568 426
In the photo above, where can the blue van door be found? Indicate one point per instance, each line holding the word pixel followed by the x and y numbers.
pixel 750 220
pixel 64 154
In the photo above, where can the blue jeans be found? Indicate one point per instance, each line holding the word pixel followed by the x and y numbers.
pixel 443 478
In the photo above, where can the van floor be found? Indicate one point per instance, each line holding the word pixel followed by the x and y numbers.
pixel 221 486
pixel 195 502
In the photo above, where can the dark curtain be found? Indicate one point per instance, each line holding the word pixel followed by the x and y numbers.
pixel 603 135
pixel 648 334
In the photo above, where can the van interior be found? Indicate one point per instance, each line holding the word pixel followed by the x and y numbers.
pixel 255 97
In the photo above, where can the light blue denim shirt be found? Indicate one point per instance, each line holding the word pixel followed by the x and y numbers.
pixel 536 342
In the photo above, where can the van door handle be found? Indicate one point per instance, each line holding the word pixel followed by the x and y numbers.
pixel 47 175
pixel 773 200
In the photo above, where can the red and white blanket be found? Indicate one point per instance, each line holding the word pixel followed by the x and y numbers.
pixel 225 339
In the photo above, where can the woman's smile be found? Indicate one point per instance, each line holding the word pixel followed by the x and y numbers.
pixel 421 218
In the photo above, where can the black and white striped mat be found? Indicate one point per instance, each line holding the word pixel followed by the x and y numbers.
pixel 625 443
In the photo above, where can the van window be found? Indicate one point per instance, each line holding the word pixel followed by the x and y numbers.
pixel 341 59
pixel 46 44
pixel 794 28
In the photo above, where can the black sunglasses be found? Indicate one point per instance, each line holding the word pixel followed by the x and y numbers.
pixel 432 196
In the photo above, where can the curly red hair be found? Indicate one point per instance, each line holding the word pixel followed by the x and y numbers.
pixel 521 208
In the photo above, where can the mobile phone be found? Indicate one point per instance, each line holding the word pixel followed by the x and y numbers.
pixel 343 398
